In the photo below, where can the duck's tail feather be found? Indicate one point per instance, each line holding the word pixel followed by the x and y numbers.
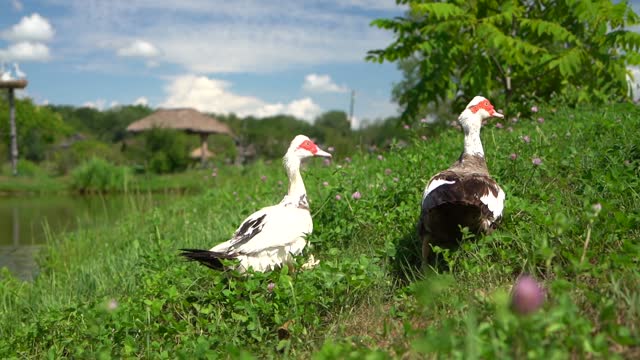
pixel 207 258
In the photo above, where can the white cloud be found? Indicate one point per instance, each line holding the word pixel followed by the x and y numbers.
pixel 30 28
pixel 25 51
pixel 98 104
pixel 212 95
pixel 139 48
pixel 17 5
pixel 321 83
pixel 141 101
pixel 242 36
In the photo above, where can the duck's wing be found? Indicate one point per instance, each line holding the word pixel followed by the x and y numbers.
pixel 470 189
pixel 249 228
pixel 275 226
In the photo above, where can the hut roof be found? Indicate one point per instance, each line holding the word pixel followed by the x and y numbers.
pixel 14 83
pixel 197 153
pixel 189 120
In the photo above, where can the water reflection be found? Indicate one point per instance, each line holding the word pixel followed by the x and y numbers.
pixel 26 222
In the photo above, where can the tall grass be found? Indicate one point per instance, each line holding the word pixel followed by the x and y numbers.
pixel 123 292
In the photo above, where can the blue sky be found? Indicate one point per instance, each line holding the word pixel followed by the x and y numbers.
pixel 249 57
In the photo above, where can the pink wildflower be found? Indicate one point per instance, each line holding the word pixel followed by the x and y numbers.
pixel 527 295
pixel 536 161
pixel 325 184
pixel 526 139
pixel 534 109
pixel 263 178
pixel 380 157
pixel 356 195
pixel 513 156
pixel 338 197
pixel 541 120
pixel 387 171
pixel 499 125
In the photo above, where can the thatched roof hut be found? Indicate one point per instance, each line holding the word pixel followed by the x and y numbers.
pixel 197 153
pixel 189 120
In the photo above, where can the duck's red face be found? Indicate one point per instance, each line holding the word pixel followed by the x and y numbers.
pixel 309 146
pixel 312 148
pixel 485 105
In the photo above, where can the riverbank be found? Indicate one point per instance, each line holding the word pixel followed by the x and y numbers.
pixel 191 181
pixel 570 221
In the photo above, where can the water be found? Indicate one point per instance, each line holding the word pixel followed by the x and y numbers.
pixel 27 221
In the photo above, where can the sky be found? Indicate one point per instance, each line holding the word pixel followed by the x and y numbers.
pixel 248 57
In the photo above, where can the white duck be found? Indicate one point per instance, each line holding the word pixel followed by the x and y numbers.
pixel 5 75
pixel 465 194
pixel 270 236
pixel 19 73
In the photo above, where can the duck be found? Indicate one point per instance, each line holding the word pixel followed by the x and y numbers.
pixel 19 73
pixel 271 236
pixel 5 75
pixel 465 194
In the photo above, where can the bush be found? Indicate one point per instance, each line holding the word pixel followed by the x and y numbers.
pixel 98 175
pixel 168 150
pixel 66 159
pixel 26 168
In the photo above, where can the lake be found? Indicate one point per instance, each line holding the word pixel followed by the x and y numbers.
pixel 27 221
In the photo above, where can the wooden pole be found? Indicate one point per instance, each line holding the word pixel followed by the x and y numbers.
pixel 203 148
pixel 13 133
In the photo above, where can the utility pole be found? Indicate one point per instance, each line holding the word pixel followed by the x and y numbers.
pixel 353 99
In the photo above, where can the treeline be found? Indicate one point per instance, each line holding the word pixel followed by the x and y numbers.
pixel 59 138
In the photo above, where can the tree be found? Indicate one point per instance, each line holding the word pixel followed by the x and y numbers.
pixel 516 52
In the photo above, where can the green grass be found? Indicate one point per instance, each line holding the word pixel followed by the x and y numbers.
pixel 123 292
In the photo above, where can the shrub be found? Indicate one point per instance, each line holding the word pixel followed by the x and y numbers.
pixel 98 175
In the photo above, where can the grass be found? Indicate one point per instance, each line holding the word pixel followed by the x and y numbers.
pixel 122 292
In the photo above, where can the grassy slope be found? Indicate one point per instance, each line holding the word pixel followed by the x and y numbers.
pixel 122 292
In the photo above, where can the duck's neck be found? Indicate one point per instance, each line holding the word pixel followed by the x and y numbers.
pixel 472 143
pixel 296 185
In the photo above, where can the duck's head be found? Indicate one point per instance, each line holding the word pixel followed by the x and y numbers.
pixel 302 147
pixel 477 110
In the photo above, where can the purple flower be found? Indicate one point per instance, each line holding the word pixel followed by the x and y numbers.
pixel 338 197
pixel 423 137
pixel 380 157
pixel 510 129
pixel 330 149
pixel 534 109
pixel 326 161
pixel 395 179
pixel 424 120
pixel 112 305
pixel 214 174
pixel 541 120
pixel 387 171
pixel 513 156
pixel 499 125
pixel 356 195
pixel 526 139
pixel 347 159
pixel 263 178
pixel 526 296
pixel 406 127
pixel 325 184
pixel 514 120
pixel 536 161
pixel 270 287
